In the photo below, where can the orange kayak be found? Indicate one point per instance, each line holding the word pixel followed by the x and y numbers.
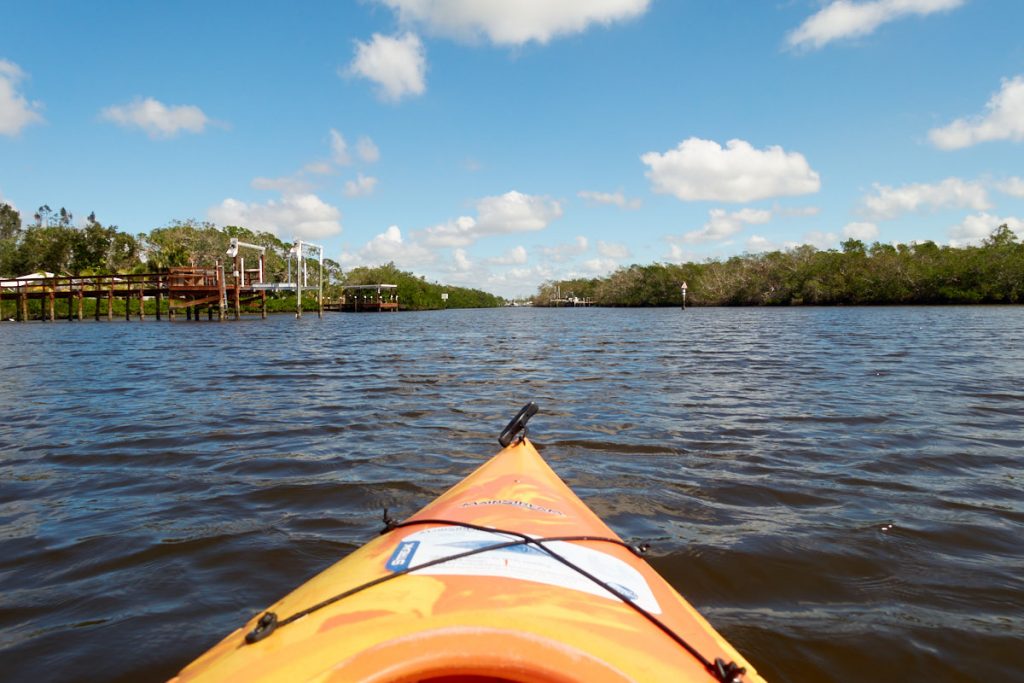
pixel 507 577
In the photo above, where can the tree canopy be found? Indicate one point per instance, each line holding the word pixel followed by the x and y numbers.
pixel 922 273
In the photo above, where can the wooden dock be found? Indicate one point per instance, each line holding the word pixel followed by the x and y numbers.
pixel 366 299
pixel 176 290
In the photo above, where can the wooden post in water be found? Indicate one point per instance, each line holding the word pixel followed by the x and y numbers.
pixel 159 299
pixel 127 305
pixel 52 301
pixel 222 292
pixel 142 304
pixel 23 300
pixel 263 292
pixel 110 301
pixel 236 293
pixel 81 303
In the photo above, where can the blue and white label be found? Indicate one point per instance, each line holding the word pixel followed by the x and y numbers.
pixel 402 557
pixel 522 562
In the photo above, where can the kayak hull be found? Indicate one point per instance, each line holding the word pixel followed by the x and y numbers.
pixel 516 613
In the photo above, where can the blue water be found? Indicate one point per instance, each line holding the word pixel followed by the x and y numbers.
pixel 838 490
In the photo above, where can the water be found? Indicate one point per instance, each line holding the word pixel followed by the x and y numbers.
pixel 837 490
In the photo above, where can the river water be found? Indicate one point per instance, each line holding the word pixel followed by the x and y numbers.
pixel 838 490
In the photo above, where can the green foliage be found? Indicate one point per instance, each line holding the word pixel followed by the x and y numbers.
pixel 415 293
pixel 923 273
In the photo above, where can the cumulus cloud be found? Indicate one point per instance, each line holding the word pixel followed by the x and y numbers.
pixel 599 266
pixel 565 252
pixel 398 65
pixel 821 240
pixel 15 111
pixel 1003 120
pixel 864 232
pixel 1012 186
pixel 846 19
pixel 702 170
pixel 367 150
pixel 973 229
pixel 512 212
pixel 758 244
pixel 362 186
pixel 952 193
pixel 610 198
pixel 514 256
pixel 722 225
pixel 295 215
pixel 390 246
pixel 157 119
pixel 513 23
pixel 612 250
pixel 339 149
pixel 516 212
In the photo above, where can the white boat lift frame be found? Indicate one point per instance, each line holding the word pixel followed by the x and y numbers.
pixel 301 271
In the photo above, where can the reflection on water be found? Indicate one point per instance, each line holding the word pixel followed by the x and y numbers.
pixel 838 490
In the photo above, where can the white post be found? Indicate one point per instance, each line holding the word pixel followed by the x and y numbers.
pixel 298 279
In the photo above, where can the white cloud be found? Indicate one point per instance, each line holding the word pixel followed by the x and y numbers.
pixel 821 240
pixel 612 250
pixel 845 19
pixel 516 212
pixel 722 225
pixel 514 256
pixel 513 23
pixel 757 244
pixel 975 228
pixel 1003 120
pixel 367 150
pixel 702 170
pixel 599 266
pixel 566 252
pixel 362 186
pixel 15 111
pixel 397 65
pixel 157 119
pixel 860 231
pixel 1012 186
pixel 611 198
pixel 295 215
pixel 390 246
pixel 512 212
pixel 891 202
pixel 339 149
pixel 461 260
pixel 318 168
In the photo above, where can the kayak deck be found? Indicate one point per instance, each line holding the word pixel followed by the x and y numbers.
pixel 508 576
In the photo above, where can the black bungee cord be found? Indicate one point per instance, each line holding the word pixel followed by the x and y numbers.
pixel 724 672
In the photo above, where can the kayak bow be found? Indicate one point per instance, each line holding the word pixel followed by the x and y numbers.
pixel 507 577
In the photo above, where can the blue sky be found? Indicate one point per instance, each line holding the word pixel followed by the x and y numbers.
pixel 498 144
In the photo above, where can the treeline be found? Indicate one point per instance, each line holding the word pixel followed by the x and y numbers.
pixel 414 292
pixel 53 243
pixel 922 273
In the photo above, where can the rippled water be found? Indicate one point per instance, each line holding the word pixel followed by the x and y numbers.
pixel 838 490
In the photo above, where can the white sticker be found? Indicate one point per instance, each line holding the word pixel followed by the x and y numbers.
pixel 525 562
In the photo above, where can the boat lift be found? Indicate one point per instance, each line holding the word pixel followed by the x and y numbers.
pixel 299 253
